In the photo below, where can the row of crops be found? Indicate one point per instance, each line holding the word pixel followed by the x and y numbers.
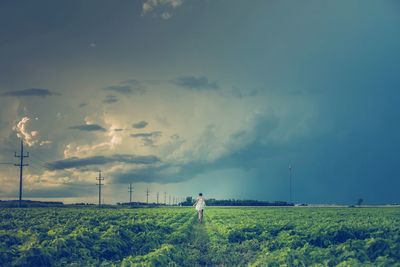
pixel 305 236
pixel 171 236
pixel 90 236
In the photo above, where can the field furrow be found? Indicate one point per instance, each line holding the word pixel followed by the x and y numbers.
pixel 172 237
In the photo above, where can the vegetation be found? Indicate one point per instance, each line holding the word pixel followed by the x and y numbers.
pixel 29 203
pixel 284 236
pixel 237 202
pixel 305 236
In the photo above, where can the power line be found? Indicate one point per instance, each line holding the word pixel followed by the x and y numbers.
pixel 21 166
pixel 100 184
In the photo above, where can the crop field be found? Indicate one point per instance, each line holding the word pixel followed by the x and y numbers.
pixel 172 237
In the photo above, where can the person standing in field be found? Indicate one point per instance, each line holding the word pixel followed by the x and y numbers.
pixel 200 204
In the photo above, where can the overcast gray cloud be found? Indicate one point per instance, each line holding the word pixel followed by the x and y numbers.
pixel 257 96
pixel 240 93
pixel 154 174
pixel 163 173
pixel 148 139
pixel 88 128
pixel 122 89
pixel 110 99
pixel 61 191
pixel 246 148
pixel 163 8
pixel 140 125
pixel 100 160
pixel 127 87
pixel 38 92
pixel 196 83
pixel 146 135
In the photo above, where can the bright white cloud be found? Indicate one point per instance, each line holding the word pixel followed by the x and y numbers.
pixel 46 142
pixel 29 137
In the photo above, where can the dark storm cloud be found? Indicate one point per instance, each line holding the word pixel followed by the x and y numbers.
pixel 88 128
pixel 35 92
pixel 146 135
pixel 250 156
pixel 350 151
pixel 133 83
pixel 162 173
pixel 128 87
pixel 322 160
pixel 140 124
pixel 149 139
pixel 156 174
pixel 62 190
pixel 240 93
pixel 196 83
pixel 122 89
pixel 110 99
pixel 81 105
pixel 118 130
pixel 79 163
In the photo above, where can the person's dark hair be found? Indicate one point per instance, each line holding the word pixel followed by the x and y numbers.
pixel 201 194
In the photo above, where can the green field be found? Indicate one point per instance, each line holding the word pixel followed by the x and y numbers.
pixel 172 237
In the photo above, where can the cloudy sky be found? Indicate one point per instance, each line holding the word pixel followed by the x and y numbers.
pixel 214 96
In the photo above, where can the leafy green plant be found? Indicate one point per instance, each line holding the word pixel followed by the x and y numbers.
pixel 171 237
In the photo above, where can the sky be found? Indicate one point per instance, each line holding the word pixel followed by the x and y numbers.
pixel 212 96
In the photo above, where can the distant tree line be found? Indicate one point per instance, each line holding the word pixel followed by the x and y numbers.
pixel 30 203
pixel 188 202
pixel 139 204
pixel 237 202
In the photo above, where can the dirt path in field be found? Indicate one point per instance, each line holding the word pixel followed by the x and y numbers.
pixel 198 245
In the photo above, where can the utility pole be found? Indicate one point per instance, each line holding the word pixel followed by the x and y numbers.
pixel 100 184
pixel 21 166
pixel 157 197
pixel 130 193
pixel 290 184
pixel 147 195
pixel 169 200
pixel 165 198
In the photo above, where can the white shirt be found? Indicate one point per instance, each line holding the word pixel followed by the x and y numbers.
pixel 201 204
